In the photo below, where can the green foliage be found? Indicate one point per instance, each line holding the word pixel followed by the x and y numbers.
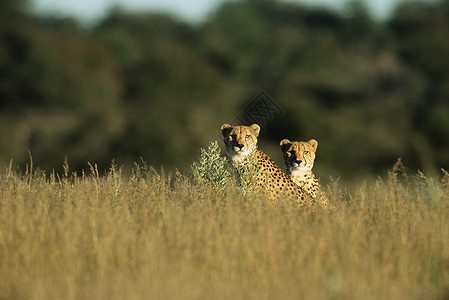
pixel 211 169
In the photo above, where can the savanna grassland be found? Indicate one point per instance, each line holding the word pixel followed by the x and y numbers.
pixel 170 236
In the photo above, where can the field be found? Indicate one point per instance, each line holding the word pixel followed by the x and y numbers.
pixel 165 236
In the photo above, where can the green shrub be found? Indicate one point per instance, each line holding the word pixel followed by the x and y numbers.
pixel 211 168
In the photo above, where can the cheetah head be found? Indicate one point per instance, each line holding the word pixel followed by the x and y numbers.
pixel 299 156
pixel 240 141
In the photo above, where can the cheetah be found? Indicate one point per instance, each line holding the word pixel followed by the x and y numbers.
pixel 299 158
pixel 241 146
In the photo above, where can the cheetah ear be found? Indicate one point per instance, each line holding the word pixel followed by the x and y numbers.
pixel 313 143
pixel 284 144
pixel 256 129
pixel 225 129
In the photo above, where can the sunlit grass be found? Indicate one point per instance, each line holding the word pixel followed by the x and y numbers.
pixel 161 236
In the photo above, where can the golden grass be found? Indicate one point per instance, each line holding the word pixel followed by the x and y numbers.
pixel 155 236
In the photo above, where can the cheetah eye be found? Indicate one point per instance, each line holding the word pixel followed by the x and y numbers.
pixel 247 136
pixel 306 152
pixel 230 138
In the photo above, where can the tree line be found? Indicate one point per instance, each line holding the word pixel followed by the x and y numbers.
pixel 144 85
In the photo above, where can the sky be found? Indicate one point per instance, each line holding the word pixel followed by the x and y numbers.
pixel 192 10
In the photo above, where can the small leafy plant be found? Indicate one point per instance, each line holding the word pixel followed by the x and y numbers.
pixel 211 169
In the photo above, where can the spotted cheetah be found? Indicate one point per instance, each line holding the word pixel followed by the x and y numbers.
pixel 241 146
pixel 299 158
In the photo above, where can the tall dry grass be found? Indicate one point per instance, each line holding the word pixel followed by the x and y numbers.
pixel 159 236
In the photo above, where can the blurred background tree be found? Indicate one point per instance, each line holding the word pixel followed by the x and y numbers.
pixel 150 85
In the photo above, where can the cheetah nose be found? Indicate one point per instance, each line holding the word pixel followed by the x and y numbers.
pixel 298 161
pixel 240 146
